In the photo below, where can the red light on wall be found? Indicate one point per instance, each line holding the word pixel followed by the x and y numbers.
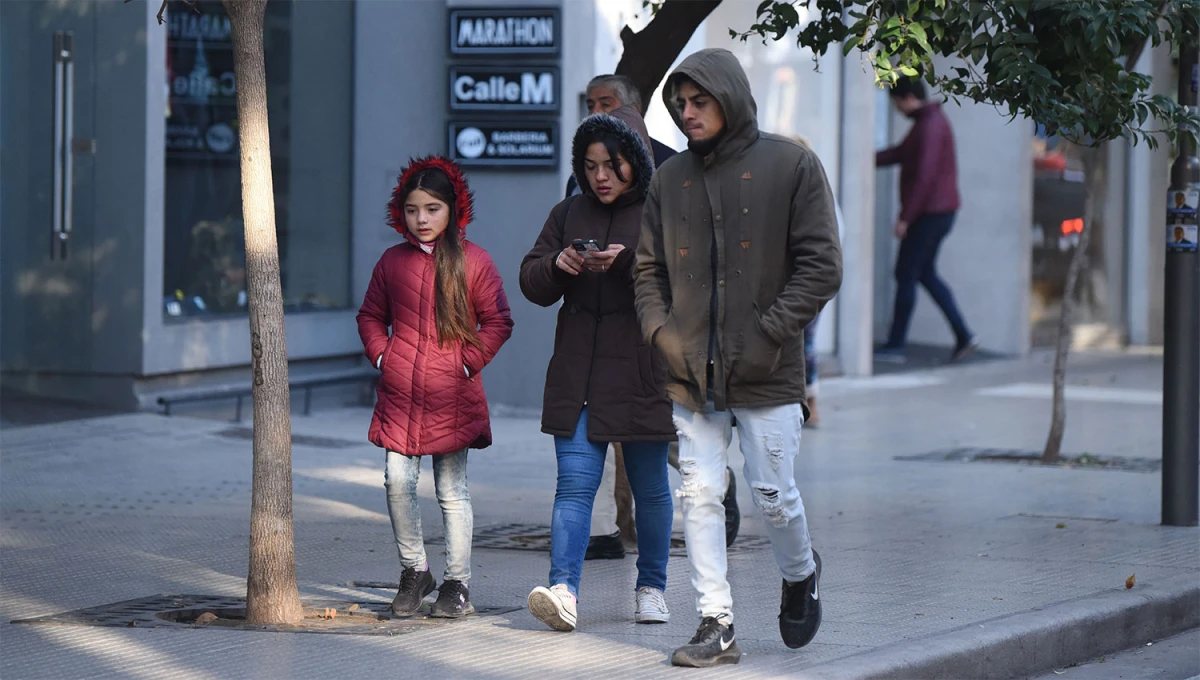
pixel 1074 226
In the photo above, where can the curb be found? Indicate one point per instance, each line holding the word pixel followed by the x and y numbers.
pixel 1034 641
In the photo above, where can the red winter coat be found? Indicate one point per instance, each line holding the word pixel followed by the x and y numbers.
pixel 431 398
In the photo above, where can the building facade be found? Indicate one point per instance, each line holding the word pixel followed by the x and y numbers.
pixel 121 257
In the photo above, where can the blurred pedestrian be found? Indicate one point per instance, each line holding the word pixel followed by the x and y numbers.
pixel 929 201
pixel 603 384
pixel 443 301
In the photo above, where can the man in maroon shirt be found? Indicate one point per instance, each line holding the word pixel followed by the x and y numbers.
pixel 928 203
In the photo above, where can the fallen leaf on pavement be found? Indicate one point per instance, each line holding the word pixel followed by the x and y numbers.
pixel 206 617
pixel 1060 525
pixel 1130 582
pixel 353 608
pixel 131 624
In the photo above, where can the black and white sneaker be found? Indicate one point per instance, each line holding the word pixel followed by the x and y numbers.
pixel 453 602
pixel 800 610
pixel 414 586
pixel 712 645
pixel 733 515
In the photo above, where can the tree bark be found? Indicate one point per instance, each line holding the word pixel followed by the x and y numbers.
pixel 650 52
pixel 1058 418
pixel 271 592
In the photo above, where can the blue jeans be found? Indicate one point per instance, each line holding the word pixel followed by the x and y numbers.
pixel 450 485
pixel 917 263
pixel 580 466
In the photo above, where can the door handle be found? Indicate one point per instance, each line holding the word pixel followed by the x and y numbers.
pixel 62 213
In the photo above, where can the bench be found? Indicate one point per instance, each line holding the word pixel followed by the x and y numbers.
pixel 240 392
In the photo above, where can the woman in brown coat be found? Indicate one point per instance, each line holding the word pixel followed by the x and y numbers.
pixel 604 383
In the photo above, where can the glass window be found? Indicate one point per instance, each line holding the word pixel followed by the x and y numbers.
pixel 309 100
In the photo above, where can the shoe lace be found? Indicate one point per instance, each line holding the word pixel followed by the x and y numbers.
pixel 652 599
pixel 708 626
pixel 409 580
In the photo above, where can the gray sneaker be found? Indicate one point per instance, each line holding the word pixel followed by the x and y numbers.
pixel 651 606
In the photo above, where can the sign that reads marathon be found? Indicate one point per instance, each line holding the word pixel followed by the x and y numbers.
pixel 504 88
pixel 509 31
pixel 504 144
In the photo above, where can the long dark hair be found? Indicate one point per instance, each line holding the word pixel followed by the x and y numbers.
pixel 452 310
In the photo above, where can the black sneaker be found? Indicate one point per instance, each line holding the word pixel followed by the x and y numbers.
pixel 414 586
pixel 453 602
pixel 712 645
pixel 605 548
pixel 800 610
pixel 733 516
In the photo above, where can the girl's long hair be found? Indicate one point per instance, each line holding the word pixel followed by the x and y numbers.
pixel 452 310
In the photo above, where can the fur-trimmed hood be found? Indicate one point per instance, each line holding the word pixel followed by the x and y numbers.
pixel 464 198
pixel 633 140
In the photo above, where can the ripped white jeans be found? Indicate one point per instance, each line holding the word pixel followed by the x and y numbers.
pixel 769 439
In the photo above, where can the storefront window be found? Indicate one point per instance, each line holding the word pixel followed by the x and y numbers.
pixel 309 95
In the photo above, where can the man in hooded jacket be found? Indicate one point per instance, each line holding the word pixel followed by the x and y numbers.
pixel 739 252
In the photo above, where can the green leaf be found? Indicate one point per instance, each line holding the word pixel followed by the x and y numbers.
pixel 908 71
pixel 917 31
pixel 850 44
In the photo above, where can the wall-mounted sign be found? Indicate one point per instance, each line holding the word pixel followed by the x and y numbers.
pixel 526 31
pixel 504 144
pixel 515 89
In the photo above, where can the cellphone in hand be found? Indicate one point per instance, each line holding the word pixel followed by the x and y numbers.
pixel 585 246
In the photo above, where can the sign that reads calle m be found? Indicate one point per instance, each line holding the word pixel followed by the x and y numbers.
pixel 504 88
pixel 504 144
pixel 509 31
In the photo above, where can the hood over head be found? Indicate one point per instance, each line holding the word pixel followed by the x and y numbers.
pixel 463 200
pixel 718 72
pixel 626 127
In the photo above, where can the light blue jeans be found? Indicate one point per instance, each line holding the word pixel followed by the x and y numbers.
pixel 450 485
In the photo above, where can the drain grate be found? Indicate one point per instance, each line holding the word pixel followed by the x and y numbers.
pixel 179 612
pixel 1084 461
pixel 536 537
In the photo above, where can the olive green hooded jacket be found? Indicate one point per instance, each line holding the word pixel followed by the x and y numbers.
pixel 767 201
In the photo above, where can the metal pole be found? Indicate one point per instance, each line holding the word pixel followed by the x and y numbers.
pixel 1181 352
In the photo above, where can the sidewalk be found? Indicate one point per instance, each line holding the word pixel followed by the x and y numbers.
pixel 927 565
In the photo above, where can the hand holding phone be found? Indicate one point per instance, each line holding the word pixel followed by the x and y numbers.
pixel 586 247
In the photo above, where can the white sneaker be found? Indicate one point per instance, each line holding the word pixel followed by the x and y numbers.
pixel 651 606
pixel 554 607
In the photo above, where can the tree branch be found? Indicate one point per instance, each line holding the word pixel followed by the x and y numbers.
pixel 162 9
pixel 650 52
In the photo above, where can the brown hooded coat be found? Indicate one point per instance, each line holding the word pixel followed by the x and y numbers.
pixel 600 359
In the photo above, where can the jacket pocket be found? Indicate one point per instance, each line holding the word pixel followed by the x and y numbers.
pixel 670 343
pixel 760 354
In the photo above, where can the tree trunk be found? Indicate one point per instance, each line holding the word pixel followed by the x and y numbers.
pixel 650 52
pixel 1058 417
pixel 271 593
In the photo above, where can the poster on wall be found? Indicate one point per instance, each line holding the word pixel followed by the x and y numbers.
pixel 201 86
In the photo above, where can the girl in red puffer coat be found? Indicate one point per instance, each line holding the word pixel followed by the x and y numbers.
pixel 444 302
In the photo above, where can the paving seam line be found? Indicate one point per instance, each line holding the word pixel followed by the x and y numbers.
pixel 1034 641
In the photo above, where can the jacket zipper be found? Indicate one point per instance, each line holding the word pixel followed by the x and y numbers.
pixel 587 388
pixel 421 346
